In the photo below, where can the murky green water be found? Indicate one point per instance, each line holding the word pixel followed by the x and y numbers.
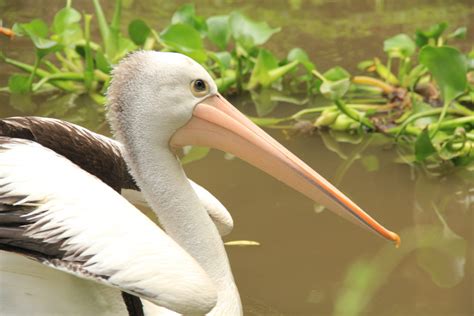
pixel 312 262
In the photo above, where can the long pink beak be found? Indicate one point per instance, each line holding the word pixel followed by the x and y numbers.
pixel 218 124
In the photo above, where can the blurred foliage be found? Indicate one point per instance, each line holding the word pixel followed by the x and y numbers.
pixel 421 92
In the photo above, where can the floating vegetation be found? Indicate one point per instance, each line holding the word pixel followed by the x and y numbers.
pixel 421 93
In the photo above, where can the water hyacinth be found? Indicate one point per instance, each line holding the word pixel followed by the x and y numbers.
pixel 422 89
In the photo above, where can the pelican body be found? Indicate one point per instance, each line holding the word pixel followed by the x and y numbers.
pixel 65 211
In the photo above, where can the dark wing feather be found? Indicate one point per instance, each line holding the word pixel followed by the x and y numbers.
pixel 96 154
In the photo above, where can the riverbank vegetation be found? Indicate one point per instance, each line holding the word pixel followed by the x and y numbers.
pixel 421 92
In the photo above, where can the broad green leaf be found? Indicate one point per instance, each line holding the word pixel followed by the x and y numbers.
pixel 250 33
pixel 66 26
pixel 187 15
pixel 37 31
pixel 193 153
pixel 64 18
pixel 334 90
pixel 138 31
pixel 423 146
pixel 266 61
pixel 399 46
pixel 336 73
pixel 184 39
pixel 423 38
pixel 37 28
pixel 19 84
pixel 448 67
pixel 300 55
pixel 218 30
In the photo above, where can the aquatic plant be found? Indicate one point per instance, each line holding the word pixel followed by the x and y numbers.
pixel 421 93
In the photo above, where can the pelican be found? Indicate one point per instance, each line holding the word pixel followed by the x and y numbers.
pixel 65 213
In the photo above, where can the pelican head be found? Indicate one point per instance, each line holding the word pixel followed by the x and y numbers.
pixel 170 101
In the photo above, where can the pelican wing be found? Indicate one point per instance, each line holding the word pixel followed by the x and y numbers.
pixel 58 214
pixel 95 153
pixel 100 156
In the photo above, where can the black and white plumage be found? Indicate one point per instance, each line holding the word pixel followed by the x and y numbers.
pixel 85 228
pixel 94 153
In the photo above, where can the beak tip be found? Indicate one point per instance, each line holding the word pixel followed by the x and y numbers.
pixel 396 239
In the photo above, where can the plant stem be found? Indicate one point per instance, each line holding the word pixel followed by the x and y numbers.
pixel 417 116
pixel 33 73
pixel 89 68
pixel 319 75
pixel 450 124
pixel 353 114
pixel 365 80
pixel 57 76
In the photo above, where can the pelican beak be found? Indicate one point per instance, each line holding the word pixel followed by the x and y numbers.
pixel 218 124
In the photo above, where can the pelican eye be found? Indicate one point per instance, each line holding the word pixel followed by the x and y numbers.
pixel 199 87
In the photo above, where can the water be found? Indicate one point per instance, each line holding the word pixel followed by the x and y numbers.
pixel 312 262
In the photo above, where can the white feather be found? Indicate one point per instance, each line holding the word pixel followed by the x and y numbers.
pixel 216 210
pixel 115 239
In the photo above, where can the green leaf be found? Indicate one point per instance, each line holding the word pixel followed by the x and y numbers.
pixel 336 73
pixel 300 55
pixel 423 38
pixel 19 84
pixel 250 33
pixel 37 31
pixel 266 61
pixel 448 67
pixel 334 90
pixel 423 146
pixel 218 30
pixel 399 46
pixel 64 18
pixel 187 15
pixel 193 153
pixel 138 31
pixel 66 26
pixel 184 39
